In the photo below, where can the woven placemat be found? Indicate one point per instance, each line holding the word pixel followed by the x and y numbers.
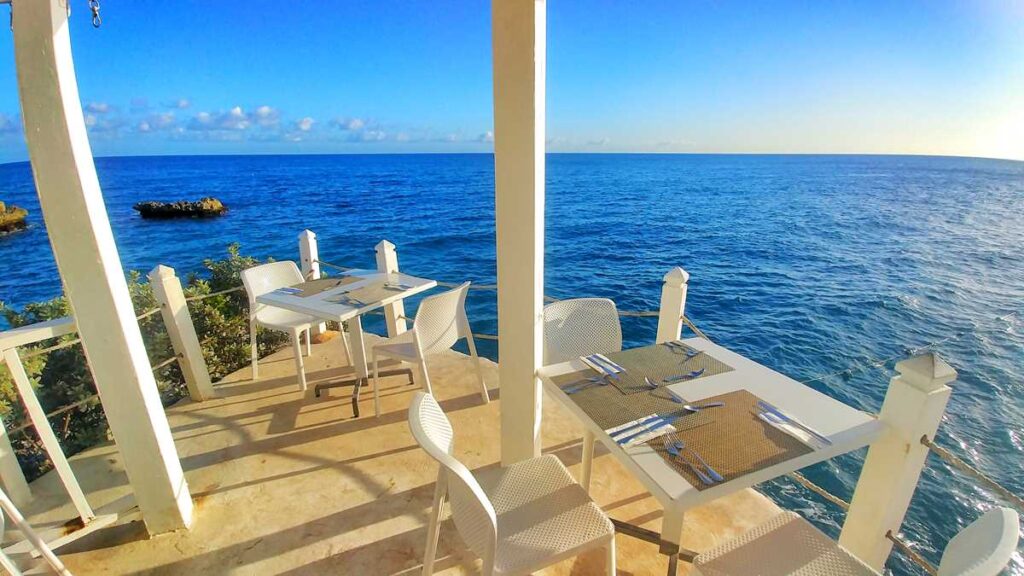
pixel 374 292
pixel 732 440
pixel 608 407
pixel 658 362
pixel 314 287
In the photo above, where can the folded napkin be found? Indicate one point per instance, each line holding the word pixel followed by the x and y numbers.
pixel 600 367
pixel 288 290
pixel 792 430
pixel 657 427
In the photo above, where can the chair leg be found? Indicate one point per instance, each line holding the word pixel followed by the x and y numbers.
pixel 426 377
pixel 610 562
pixel 376 385
pixel 309 342
pixel 434 527
pixel 255 352
pixel 300 370
pixel 588 459
pixel 344 340
pixel 479 369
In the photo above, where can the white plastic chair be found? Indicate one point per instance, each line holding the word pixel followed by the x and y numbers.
pixel 519 518
pixel 265 278
pixel 440 322
pixel 7 508
pixel 788 544
pixel 580 327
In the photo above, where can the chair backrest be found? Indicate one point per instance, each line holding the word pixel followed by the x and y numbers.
pixel 472 512
pixel 580 327
pixel 264 278
pixel 984 547
pixel 441 319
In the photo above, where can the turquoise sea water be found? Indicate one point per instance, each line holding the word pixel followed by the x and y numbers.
pixel 809 264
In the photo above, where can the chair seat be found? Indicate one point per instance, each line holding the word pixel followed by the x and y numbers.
pixel 543 515
pixel 785 545
pixel 285 320
pixel 394 348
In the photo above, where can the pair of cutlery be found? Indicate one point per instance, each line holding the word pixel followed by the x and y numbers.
pixel 582 385
pixel 602 364
pixel 775 416
pixel 680 348
pixel 681 377
pixel 658 420
pixel 677 448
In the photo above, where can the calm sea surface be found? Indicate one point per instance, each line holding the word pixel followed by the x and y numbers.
pixel 809 264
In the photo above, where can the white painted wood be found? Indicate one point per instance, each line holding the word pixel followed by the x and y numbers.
pixel 11 476
pixel 46 435
pixel 913 408
pixel 673 305
pixel 37 332
pixel 12 512
pixel 588 459
pixel 309 256
pixel 174 310
pixel 89 265
pixel 848 428
pixel 394 313
pixel 518 30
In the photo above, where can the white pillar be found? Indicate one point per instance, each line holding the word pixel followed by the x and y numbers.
pixel 174 310
pixel 309 261
pixel 11 476
pixel 673 305
pixel 394 314
pixel 518 40
pixel 89 265
pixel 913 408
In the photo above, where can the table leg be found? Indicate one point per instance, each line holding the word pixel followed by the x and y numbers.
pixel 362 373
pixel 672 538
pixel 588 459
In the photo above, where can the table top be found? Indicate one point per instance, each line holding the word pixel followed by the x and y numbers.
pixel 848 428
pixel 320 305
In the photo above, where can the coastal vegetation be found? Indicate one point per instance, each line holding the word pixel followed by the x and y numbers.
pixel 62 378
pixel 12 218
pixel 203 208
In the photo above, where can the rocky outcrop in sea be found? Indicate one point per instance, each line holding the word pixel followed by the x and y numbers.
pixel 12 218
pixel 204 208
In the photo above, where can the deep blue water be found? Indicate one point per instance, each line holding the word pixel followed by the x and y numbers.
pixel 809 264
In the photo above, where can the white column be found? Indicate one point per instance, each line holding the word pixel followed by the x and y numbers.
pixel 11 476
pixel 673 305
pixel 309 256
pixel 518 37
pixel 913 408
pixel 174 310
pixel 89 265
pixel 394 314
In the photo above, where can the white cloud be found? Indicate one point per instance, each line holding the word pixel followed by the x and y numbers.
pixel 9 124
pixel 97 107
pixel 349 124
pixel 180 103
pixel 90 120
pixel 144 127
pixel 305 124
pixel 486 136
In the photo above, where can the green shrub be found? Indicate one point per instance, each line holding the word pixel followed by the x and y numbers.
pixel 62 377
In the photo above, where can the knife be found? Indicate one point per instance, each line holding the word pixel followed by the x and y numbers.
pixel 790 420
pixel 650 427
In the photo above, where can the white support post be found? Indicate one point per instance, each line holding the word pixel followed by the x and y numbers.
pixel 11 476
pixel 912 409
pixel 673 305
pixel 394 314
pixel 309 261
pixel 174 310
pixel 518 29
pixel 89 265
pixel 46 435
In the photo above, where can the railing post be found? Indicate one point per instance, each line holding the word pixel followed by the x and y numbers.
pixel 11 476
pixel 309 256
pixel 673 305
pixel 912 409
pixel 394 314
pixel 174 309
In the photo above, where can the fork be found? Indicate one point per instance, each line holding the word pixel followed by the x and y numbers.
pixel 711 471
pixel 586 383
pixel 680 377
pixel 672 447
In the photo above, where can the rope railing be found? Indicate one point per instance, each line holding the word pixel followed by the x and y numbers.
pixel 963 467
pixel 913 555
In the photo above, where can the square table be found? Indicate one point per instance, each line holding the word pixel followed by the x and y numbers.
pixel 330 304
pixel 848 428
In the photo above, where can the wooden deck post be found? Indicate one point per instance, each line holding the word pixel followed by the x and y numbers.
pixel 89 265
pixel 309 261
pixel 673 305
pixel 518 29
pixel 394 314
pixel 912 409
pixel 174 310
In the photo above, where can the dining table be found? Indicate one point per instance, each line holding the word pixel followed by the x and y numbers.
pixel 345 299
pixel 763 424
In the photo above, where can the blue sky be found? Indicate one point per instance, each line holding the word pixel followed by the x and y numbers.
pixel 220 77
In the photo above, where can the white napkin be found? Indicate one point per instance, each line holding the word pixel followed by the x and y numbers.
pixel 648 434
pixel 793 431
pixel 599 368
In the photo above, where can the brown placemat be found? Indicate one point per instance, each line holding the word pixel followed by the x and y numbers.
pixel 733 440
pixel 658 362
pixel 608 407
pixel 371 293
pixel 314 287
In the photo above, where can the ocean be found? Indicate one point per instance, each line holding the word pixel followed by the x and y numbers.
pixel 812 265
